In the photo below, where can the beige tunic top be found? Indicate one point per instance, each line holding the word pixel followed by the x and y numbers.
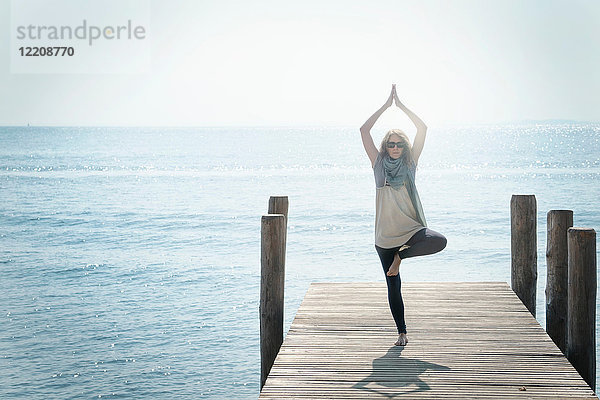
pixel 395 217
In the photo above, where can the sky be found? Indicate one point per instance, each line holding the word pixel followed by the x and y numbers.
pixel 325 63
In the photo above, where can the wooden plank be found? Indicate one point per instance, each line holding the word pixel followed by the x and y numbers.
pixel 466 340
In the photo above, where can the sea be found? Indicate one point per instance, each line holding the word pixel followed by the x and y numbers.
pixel 130 257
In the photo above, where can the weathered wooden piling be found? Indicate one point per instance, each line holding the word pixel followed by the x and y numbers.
pixel 272 282
pixel 558 221
pixel 581 315
pixel 271 291
pixel 280 205
pixel 523 224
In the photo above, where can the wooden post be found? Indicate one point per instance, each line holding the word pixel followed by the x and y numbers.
pixel 271 291
pixel 581 315
pixel 523 273
pixel 558 221
pixel 280 205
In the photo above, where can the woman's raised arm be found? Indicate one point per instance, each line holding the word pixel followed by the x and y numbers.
pixel 365 129
pixel 419 142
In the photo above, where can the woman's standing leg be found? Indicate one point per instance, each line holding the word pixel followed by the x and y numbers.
pixel 394 287
pixel 424 242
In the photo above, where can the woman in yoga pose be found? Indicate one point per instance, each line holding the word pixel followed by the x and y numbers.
pixel 400 227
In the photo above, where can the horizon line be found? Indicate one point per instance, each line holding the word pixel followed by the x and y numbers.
pixel 520 121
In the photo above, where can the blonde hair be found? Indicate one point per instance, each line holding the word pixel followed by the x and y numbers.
pixel 406 157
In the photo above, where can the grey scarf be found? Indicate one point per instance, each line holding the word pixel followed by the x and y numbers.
pixel 397 174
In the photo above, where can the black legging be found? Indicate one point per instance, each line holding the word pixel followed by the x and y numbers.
pixel 421 243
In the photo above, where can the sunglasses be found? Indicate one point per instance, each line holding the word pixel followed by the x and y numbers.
pixel 390 145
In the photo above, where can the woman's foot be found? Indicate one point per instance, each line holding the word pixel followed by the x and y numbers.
pixel 402 340
pixel 395 267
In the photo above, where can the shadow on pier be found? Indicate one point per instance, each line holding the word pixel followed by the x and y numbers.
pixel 392 371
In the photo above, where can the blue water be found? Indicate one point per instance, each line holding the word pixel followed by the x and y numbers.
pixel 130 257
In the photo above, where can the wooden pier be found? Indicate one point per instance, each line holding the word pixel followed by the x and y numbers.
pixel 466 340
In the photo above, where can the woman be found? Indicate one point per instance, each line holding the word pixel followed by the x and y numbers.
pixel 400 227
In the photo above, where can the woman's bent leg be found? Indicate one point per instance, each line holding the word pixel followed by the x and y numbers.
pixel 394 287
pixel 424 242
